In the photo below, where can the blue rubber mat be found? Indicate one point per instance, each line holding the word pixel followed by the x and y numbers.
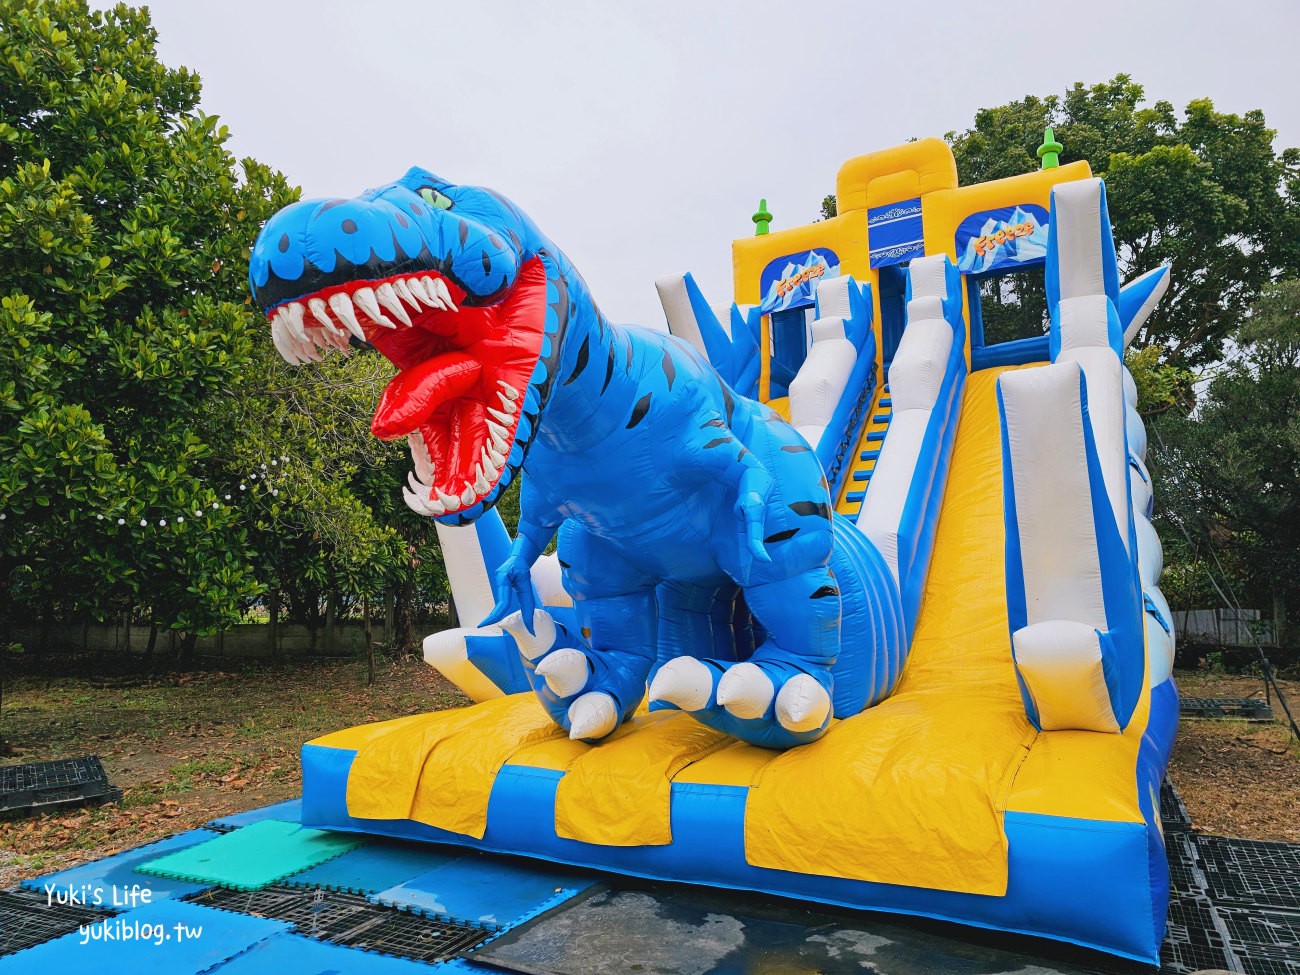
pixel 254 856
pixel 172 937
pixel 485 891
pixel 289 811
pixel 293 954
pixel 374 867
pixel 112 883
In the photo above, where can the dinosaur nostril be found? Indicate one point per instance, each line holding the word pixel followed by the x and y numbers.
pixel 349 226
pixel 284 243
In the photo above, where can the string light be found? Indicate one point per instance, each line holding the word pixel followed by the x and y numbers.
pixel 179 519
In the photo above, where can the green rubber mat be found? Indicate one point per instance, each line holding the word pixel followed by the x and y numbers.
pixel 253 857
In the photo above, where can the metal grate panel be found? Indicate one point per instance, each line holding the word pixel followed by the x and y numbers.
pixel 28 919
pixel 1173 813
pixel 414 936
pixel 38 786
pixel 350 920
pixel 1185 873
pixel 1249 708
pixel 1192 941
pixel 1251 873
pixel 1264 934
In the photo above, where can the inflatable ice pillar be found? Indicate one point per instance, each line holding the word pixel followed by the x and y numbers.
pixel 732 349
pixel 484 662
pixel 1076 532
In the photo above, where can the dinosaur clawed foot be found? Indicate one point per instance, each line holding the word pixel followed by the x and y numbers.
pixel 580 689
pixel 592 716
pixel 764 702
pixel 686 683
pixel 567 672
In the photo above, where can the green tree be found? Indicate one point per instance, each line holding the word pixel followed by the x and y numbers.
pixel 124 228
pixel 338 530
pixel 1229 471
pixel 1204 192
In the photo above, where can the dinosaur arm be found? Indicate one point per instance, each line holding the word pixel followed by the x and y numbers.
pixel 539 519
pixel 714 450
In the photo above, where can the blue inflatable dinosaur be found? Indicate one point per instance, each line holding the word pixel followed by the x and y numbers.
pixel 695 527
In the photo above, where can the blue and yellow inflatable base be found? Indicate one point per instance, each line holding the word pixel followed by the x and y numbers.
pixel 942 801
pixel 1093 882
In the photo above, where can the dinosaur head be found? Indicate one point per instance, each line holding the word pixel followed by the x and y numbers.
pixel 446 282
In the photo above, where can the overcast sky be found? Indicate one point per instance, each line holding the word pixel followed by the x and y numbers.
pixel 641 136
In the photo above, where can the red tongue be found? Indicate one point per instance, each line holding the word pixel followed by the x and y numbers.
pixel 413 394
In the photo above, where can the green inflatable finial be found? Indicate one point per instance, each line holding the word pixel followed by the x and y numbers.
pixel 761 219
pixel 1049 151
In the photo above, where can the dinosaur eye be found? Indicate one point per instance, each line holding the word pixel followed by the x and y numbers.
pixel 435 199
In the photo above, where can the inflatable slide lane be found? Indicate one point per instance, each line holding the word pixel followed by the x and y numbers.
pixel 845 604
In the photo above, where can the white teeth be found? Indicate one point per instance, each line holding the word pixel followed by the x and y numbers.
pixel 307 350
pixel 333 337
pixel 496 456
pixel 490 468
pixel 425 294
pixel 503 417
pixel 481 485
pixel 448 501
pixel 317 307
pixel 440 289
pixel 339 340
pixel 415 502
pixel 421 505
pixel 417 485
pixel 420 455
pixel 467 496
pixel 281 346
pixel 341 305
pixel 405 294
pixel 497 430
pixel 366 301
pixel 388 298
pixel 510 391
pixel 295 320
pixel 508 404
pixel 303 348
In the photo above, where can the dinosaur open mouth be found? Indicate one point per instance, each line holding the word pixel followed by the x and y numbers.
pixel 463 370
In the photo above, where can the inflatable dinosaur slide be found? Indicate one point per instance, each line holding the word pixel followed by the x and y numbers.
pixel 846 603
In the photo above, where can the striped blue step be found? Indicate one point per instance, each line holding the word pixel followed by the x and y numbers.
pixel 855 497
pixel 886 402
pixel 862 475
pixel 869 454
pixel 876 435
